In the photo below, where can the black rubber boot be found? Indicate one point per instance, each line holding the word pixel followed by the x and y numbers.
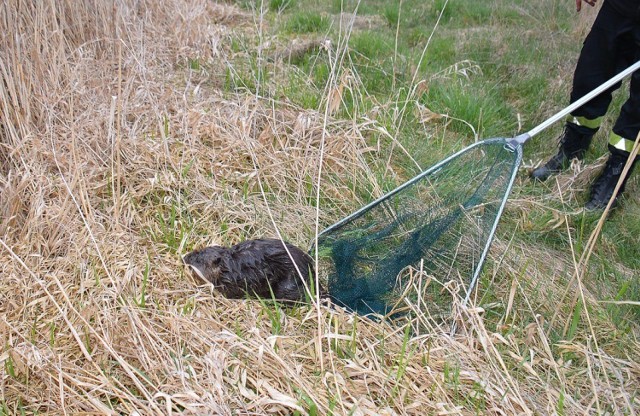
pixel 603 187
pixel 574 142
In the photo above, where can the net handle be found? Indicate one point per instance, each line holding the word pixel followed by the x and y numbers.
pixel 521 139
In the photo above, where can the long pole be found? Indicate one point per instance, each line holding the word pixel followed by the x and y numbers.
pixel 521 139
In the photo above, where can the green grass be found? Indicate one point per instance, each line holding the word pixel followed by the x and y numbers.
pixel 306 22
pixel 281 5
pixel 370 45
pixel 391 13
pixel 474 109
pixel 462 13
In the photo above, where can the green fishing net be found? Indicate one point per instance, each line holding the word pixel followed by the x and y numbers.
pixel 423 242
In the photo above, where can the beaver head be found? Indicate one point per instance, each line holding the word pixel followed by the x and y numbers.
pixel 207 263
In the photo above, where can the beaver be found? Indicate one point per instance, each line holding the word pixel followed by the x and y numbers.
pixel 264 268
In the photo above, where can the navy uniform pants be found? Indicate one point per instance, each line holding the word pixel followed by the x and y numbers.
pixel 612 45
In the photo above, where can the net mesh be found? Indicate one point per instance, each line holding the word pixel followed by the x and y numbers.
pixel 425 241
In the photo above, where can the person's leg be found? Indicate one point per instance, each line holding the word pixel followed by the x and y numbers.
pixel 610 39
pixel 621 141
pixel 598 62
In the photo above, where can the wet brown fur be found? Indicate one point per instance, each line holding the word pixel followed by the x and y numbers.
pixel 255 268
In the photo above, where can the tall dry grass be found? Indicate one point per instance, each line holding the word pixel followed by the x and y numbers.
pixel 116 157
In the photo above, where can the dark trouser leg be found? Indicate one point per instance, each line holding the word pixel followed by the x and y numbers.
pixel 627 125
pixel 621 142
pixel 608 49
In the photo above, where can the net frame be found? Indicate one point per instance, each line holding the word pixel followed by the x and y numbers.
pixel 515 152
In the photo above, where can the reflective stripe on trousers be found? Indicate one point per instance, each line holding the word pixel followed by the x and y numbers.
pixel 585 122
pixel 620 142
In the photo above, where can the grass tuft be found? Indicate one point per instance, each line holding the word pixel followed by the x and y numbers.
pixel 307 22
